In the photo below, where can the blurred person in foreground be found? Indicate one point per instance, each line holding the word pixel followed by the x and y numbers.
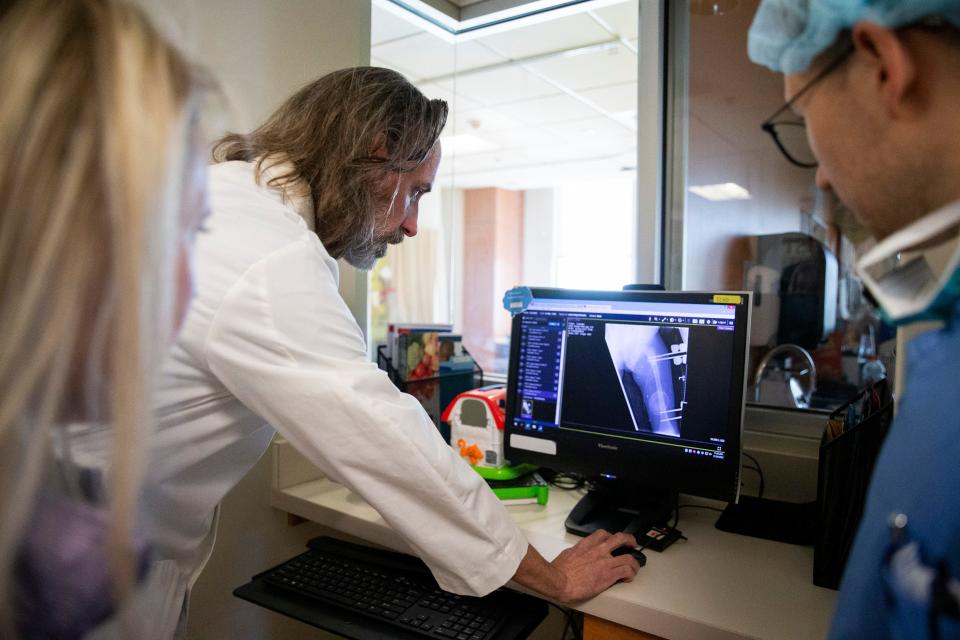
pixel 877 84
pixel 102 188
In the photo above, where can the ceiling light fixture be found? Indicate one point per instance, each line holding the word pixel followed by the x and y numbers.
pixel 721 192
pixel 454 23
pixel 464 144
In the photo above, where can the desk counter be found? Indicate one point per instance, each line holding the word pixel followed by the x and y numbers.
pixel 715 586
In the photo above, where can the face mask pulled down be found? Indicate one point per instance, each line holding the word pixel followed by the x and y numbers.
pixel 913 273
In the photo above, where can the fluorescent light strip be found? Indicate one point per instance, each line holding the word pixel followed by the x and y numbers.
pixel 473 23
pixel 721 192
pixel 465 143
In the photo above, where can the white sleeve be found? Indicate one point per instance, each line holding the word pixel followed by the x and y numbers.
pixel 284 343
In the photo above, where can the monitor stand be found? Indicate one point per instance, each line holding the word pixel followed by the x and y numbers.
pixel 615 511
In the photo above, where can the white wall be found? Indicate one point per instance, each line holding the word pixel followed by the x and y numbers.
pixel 252 537
pixel 261 51
pixel 451 207
pixel 539 238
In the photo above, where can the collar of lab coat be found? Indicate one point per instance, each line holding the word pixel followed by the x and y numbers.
pixel 295 195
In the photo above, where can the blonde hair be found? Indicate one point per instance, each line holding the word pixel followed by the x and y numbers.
pixel 328 131
pixel 94 111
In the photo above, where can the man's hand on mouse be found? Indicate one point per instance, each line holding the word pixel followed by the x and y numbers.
pixel 581 571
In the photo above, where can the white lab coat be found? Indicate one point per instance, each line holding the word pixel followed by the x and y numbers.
pixel 270 344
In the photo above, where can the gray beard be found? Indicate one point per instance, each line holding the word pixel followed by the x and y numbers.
pixel 364 254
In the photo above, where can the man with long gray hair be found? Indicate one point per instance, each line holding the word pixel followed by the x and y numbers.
pixel 336 172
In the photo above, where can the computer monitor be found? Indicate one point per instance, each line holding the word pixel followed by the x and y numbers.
pixel 640 391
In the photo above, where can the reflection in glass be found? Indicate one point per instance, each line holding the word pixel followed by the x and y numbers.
pixel 537 181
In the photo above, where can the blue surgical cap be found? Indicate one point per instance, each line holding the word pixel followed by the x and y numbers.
pixel 786 35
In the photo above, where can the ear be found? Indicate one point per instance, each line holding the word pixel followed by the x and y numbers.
pixel 893 65
pixel 379 149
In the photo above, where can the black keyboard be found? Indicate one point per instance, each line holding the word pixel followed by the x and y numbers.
pixel 396 590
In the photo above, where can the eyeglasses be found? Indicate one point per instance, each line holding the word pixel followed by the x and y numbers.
pixel 790 136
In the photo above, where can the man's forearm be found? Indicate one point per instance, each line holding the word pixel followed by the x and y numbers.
pixel 539 575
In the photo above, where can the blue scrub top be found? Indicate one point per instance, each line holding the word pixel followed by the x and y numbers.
pixel 917 474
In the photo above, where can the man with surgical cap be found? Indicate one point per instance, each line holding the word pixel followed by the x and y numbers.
pixel 877 85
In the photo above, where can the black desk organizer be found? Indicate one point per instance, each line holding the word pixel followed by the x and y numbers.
pixel 434 393
pixel 846 460
pixel 845 467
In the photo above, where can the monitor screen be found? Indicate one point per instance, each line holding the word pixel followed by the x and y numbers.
pixel 642 388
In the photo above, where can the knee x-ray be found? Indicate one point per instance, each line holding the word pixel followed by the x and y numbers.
pixel 651 363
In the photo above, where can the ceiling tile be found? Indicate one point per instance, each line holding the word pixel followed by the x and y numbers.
pixel 547 110
pixel 583 149
pixel 505 84
pixel 540 135
pixel 704 143
pixel 454 101
pixel 612 65
pixel 623 17
pixel 554 35
pixel 719 65
pixel 524 137
pixel 598 128
pixel 427 56
pixel 616 98
pixel 497 160
pixel 385 26
pixel 483 120
pixel 536 174
pixel 380 62
pixel 738 124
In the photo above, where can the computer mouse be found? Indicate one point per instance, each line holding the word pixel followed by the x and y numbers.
pixel 634 551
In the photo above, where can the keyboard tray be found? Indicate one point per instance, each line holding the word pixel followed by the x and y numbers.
pixel 370 594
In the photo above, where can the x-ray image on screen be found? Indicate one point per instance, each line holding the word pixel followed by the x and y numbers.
pixel 651 363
